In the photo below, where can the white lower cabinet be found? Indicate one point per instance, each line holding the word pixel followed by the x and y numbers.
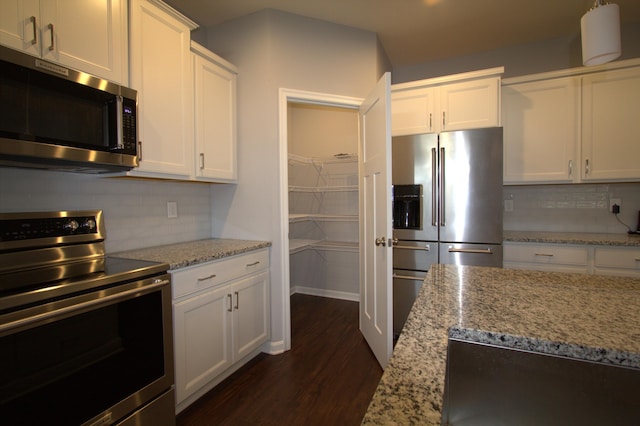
pixel 221 319
pixel 591 259
pixel 620 261
pixel 546 257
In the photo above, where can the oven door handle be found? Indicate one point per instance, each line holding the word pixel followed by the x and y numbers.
pixel 93 300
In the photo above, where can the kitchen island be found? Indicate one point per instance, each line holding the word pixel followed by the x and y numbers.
pixel 578 316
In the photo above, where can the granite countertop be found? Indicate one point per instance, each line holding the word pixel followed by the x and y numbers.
pixel 190 253
pixel 588 317
pixel 573 238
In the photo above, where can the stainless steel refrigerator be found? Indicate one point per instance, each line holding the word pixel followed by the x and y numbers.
pixel 447 206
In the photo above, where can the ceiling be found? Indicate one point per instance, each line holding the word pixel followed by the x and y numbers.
pixel 417 31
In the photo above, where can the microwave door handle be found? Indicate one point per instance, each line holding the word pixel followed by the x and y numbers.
pixel 119 120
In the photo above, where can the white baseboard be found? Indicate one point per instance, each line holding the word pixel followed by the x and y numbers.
pixel 333 294
pixel 273 348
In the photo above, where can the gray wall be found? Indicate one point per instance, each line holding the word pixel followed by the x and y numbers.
pixel 548 55
pixel 274 50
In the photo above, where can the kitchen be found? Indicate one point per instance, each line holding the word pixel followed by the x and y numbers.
pixel 136 210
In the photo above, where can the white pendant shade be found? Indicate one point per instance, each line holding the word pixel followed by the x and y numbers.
pixel 600 29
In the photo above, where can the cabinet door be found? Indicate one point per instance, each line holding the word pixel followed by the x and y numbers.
pixel 90 36
pixel 202 339
pixel 215 119
pixel 413 111
pixel 251 313
pixel 161 71
pixel 610 125
pixel 19 25
pixel 470 104
pixel 540 122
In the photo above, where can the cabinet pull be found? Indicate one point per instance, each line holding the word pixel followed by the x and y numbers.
pixel 207 278
pixel 430 119
pixel 201 161
pixel 443 119
pixel 253 264
pixel 230 308
pixel 35 31
pixel 570 168
pixel 52 46
pixel 586 166
pixel 237 299
pixel 544 254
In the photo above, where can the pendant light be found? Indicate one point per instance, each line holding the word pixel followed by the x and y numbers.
pixel 600 29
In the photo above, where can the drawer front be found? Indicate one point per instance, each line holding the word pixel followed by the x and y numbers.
pixel 610 257
pixel 199 277
pixel 553 254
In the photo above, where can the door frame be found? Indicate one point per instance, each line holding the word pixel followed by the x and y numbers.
pixel 285 97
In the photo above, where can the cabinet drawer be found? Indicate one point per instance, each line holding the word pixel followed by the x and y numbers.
pixel 546 254
pixel 195 278
pixel 611 257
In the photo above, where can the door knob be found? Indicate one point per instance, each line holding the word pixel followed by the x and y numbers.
pixel 382 241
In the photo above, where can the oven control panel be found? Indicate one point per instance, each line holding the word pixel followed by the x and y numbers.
pixel 33 228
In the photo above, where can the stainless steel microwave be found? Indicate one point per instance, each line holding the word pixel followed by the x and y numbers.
pixel 58 118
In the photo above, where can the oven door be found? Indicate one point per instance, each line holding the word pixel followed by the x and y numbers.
pixel 95 358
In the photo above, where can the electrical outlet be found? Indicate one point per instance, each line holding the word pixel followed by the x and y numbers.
pixel 508 205
pixel 172 209
pixel 615 202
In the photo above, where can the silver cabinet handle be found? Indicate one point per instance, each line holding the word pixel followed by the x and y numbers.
pixel 382 241
pixel 52 46
pixel 434 183
pixel 35 31
pixel 544 254
pixel 230 308
pixel 473 251
pixel 207 278
pixel 443 119
pixel 586 166
pixel 201 161
pixel 570 168
pixel 237 299
pixel 407 277
pixel 252 264
pixel 430 122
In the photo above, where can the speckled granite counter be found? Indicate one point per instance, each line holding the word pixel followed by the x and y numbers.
pixel 572 238
pixel 190 253
pixel 581 316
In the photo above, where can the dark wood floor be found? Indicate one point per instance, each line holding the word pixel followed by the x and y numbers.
pixel 327 378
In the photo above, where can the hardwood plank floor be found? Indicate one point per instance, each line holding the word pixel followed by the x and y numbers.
pixel 327 378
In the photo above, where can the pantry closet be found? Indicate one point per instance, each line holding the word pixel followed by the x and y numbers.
pixel 323 200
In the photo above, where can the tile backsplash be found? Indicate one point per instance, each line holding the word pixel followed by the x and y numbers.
pixel 135 210
pixel 571 208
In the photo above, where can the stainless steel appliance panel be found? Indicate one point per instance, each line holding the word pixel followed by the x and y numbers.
pixel 406 285
pixel 414 162
pixel 471 186
pixel 414 255
pixel 471 254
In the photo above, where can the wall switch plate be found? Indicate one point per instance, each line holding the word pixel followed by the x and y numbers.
pixel 615 202
pixel 172 209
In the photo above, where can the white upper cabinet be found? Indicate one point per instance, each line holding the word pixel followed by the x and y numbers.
pixel 541 137
pixel 611 125
pixel 162 73
pixel 215 116
pixel 577 125
pixel 89 36
pixel 461 101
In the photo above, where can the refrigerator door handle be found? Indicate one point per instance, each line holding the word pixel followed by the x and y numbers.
pixel 434 183
pixel 425 248
pixel 407 277
pixel 443 221
pixel 473 251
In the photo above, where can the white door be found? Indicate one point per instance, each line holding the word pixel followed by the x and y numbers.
pixel 376 310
